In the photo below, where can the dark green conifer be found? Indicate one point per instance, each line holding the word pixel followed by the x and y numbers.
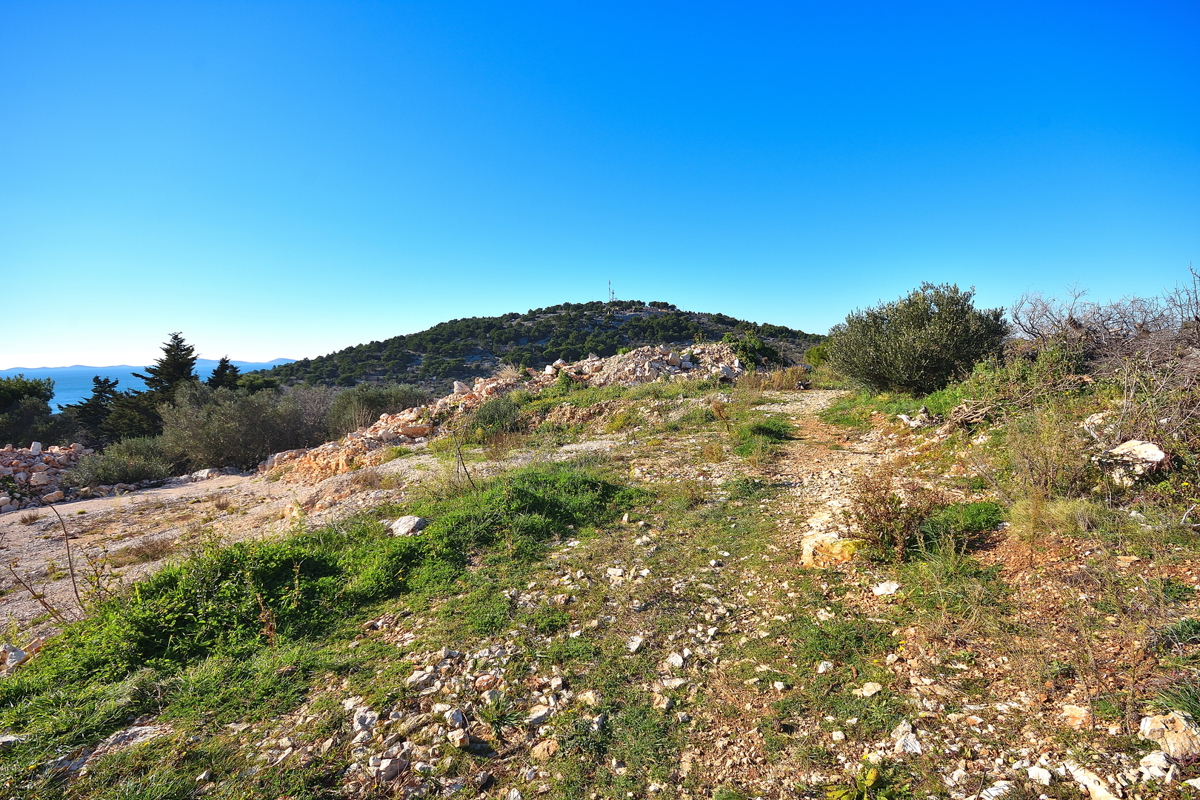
pixel 92 412
pixel 225 375
pixel 177 365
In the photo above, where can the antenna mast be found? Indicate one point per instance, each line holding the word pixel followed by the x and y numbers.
pixel 611 296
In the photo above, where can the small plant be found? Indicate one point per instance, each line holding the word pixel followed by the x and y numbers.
pixel 869 783
pixel 499 715
pixel 365 479
pixel 890 520
pixel 712 453
pixel 28 518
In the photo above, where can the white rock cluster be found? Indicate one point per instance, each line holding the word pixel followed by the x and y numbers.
pixel 417 425
pixel 36 473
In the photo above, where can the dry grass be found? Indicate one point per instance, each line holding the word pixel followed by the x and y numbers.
pixel 142 552
pixel 508 372
pixel 28 518
pixel 500 445
pixel 368 478
pixel 782 380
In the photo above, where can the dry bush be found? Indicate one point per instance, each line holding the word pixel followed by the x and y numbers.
pixel 508 372
pixel 1048 455
pixel 887 510
pixel 712 453
pixel 367 478
pixel 780 380
pixel 28 518
pixel 1156 327
pixel 222 502
pixel 1033 516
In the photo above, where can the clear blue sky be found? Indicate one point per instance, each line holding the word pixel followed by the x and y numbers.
pixel 286 179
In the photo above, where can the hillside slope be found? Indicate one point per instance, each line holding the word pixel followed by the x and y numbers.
pixel 463 349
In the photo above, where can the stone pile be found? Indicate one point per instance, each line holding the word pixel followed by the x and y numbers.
pixel 646 364
pixel 34 474
pixel 415 426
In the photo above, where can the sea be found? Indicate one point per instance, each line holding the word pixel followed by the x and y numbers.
pixel 72 384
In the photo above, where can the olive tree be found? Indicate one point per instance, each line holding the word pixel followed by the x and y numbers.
pixel 918 343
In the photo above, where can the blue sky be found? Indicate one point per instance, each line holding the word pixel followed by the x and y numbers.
pixel 286 179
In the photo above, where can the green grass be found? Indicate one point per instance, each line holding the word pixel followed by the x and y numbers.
pixel 757 437
pixel 248 631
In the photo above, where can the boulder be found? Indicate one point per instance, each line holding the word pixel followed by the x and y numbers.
pixel 408 526
pixel 1175 733
pixel 11 655
pixel 1131 460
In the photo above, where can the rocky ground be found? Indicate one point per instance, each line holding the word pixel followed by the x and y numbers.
pixel 765 660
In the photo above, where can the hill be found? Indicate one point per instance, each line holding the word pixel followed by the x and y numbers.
pixel 463 349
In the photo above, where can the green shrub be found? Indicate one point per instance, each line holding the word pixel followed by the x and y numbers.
pixel 816 355
pixel 130 461
pixel 752 351
pixel 496 416
pixel 916 344
pixel 362 406
pixel 223 427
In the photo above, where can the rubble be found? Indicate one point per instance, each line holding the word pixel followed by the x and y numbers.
pixel 31 476
pixel 1175 733
pixel 416 426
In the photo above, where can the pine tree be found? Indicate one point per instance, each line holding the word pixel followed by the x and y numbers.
pixel 225 375
pixel 177 365
pixel 92 412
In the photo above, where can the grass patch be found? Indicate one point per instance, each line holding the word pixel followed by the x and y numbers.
pixel 248 630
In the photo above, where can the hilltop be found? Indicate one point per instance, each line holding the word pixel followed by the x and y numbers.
pixel 656 575
pixel 463 349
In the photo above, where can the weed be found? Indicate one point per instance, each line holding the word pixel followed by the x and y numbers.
pixel 872 783
pixel 393 453
pixel 1183 696
pixel 756 440
pixel 499 715
pixel 28 518
pixel 1183 633
pixel 888 520
pixel 624 419
pixel 743 488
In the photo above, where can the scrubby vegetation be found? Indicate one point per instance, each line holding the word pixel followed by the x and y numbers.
pixel 918 343
pixel 130 461
pixel 960 595
pixel 242 628
pixel 465 348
